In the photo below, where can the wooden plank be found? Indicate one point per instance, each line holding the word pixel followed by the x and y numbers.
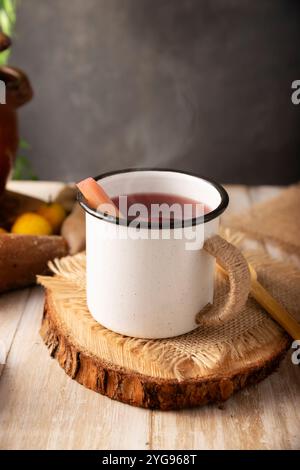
pixel 39 410
pixel 39 398
pixel 279 411
pixel 42 408
pixel 41 189
pixel 282 409
pixel 12 304
pixel 11 310
pixel 261 417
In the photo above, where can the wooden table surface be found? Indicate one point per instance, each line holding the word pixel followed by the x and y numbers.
pixel 42 408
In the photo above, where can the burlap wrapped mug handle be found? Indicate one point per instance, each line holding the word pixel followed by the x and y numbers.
pixel 232 260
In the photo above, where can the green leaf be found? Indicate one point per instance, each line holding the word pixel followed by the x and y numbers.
pixel 4 22
pixel 7 23
pixel 23 169
pixel 10 8
pixel 23 144
pixel 4 57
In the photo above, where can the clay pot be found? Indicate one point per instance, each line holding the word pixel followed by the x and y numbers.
pixel 18 92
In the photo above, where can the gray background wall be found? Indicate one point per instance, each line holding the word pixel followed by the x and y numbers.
pixel 201 85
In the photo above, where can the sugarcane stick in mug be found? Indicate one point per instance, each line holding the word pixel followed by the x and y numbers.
pixel 97 198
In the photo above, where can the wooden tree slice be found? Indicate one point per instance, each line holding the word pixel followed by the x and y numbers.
pixel 134 388
pixel 141 372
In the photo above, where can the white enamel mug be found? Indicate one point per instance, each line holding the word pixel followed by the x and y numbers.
pixel 143 284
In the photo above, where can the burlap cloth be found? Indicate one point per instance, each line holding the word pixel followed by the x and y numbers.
pixel 276 220
pixel 204 351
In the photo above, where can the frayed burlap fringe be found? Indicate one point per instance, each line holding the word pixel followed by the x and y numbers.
pixel 204 351
pixel 276 220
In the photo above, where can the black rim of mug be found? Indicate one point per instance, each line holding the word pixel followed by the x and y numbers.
pixel 150 225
